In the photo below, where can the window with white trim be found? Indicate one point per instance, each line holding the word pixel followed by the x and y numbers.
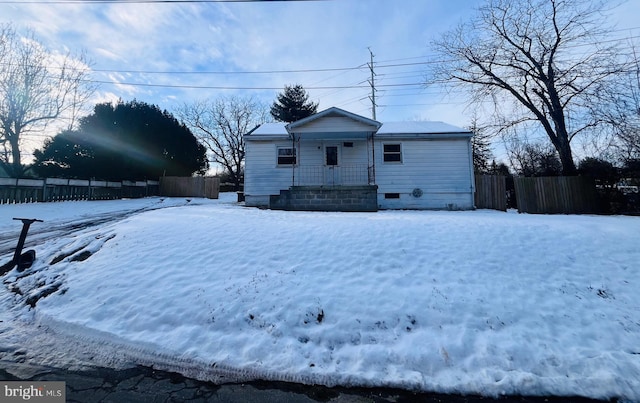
pixel 286 156
pixel 392 152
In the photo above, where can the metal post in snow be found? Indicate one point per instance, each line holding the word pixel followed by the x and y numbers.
pixel 26 223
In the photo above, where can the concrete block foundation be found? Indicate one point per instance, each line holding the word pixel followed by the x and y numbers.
pixel 326 198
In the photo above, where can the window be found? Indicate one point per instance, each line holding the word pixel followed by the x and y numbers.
pixel 286 156
pixel 392 153
pixel 392 195
pixel 331 155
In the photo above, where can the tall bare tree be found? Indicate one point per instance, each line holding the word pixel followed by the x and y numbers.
pixel 623 111
pixel 549 58
pixel 220 125
pixel 36 88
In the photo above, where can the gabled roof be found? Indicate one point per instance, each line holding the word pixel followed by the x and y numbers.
pixel 411 129
pixel 333 112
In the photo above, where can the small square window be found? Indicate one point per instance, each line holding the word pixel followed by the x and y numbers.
pixel 286 156
pixel 392 153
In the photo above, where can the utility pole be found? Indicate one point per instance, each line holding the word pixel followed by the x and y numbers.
pixel 372 83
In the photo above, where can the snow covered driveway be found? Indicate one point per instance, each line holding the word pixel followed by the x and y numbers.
pixel 68 217
pixel 470 302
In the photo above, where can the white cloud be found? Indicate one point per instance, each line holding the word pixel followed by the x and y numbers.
pixel 106 97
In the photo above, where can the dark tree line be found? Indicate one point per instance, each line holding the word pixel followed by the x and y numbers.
pixel 135 140
pixel 125 141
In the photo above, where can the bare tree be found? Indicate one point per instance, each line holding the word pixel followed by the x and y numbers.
pixel 623 111
pixel 36 88
pixel 533 158
pixel 220 125
pixel 548 57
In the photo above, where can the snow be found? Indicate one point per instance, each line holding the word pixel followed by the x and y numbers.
pixel 475 302
pixel 270 129
pixel 388 128
pixel 426 127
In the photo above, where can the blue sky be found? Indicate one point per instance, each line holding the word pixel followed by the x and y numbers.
pixel 154 43
pixel 254 37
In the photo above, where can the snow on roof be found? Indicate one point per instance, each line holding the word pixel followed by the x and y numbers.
pixel 389 128
pixel 418 127
pixel 270 129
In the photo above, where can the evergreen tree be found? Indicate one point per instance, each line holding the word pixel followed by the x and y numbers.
pixel 293 104
pixel 498 169
pixel 67 155
pixel 127 141
pixel 481 147
pixel 604 172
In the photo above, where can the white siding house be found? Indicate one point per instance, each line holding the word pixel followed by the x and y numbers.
pixel 336 160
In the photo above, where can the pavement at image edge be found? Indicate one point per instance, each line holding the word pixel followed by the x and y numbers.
pixel 143 384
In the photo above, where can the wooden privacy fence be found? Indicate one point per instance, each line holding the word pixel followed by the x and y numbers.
pixel 491 192
pixel 556 194
pixel 55 189
pixel 200 186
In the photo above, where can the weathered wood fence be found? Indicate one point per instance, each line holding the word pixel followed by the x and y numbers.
pixel 556 195
pixel 539 195
pixel 491 192
pixel 55 189
pixel 177 186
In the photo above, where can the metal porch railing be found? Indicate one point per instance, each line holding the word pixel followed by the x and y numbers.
pixel 339 175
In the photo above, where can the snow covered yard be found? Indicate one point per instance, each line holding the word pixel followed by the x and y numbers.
pixel 477 302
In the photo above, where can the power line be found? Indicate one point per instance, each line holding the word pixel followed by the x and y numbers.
pixel 232 72
pixel 142 1
pixel 291 71
pixel 208 87
pixel 212 72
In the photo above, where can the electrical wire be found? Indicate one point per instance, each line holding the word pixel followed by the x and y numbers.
pixel 143 1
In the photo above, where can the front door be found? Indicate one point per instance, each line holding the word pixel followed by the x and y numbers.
pixel 331 163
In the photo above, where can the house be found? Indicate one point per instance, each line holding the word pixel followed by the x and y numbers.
pixel 335 160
